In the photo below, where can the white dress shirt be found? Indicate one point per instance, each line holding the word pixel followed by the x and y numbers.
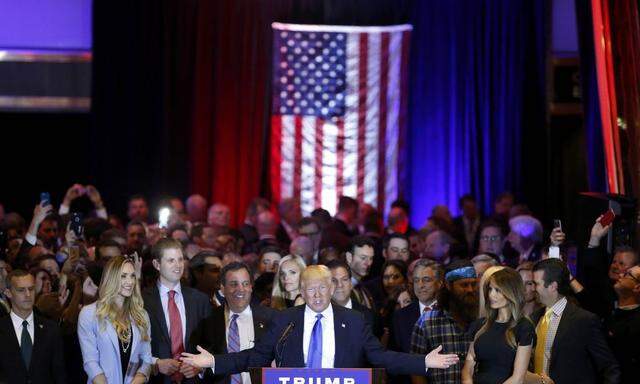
pixel 245 330
pixel 164 297
pixel 17 326
pixel 328 335
pixel 423 306
pixel 348 305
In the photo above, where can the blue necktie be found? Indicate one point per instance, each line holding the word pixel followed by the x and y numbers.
pixel 314 357
pixel 234 344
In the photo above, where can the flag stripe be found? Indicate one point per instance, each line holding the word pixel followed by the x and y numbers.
pixel 308 170
pixel 297 160
pixel 340 161
pixel 329 165
pixel 319 161
pixel 352 102
pixel 276 158
pixel 287 146
pixel 372 124
pixel 362 113
pixel 392 139
pixel 384 72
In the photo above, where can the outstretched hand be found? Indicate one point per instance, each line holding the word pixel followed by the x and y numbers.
pixel 598 231
pixel 435 359
pixel 202 360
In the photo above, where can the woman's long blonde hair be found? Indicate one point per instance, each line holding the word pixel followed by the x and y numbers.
pixel 278 292
pixel 132 308
pixel 510 284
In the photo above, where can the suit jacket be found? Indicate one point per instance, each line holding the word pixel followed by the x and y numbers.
pixel 101 352
pixel 283 238
pixel 211 334
pixel 598 295
pixel 403 321
pixel 579 353
pixel 355 346
pixel 372 318
pixel 623 335
pixel 197 307
pixel 47 356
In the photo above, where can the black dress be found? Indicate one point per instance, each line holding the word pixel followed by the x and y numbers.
pixel 125 355
pixel 494 356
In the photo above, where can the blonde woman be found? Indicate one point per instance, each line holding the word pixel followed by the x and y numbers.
pixel 114 331
pixel 286 283
pixel 503 341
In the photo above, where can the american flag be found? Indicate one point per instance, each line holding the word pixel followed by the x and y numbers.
pixel 338 113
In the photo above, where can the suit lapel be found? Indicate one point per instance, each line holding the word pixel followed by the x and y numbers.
pixel 189 316
pixel 341 332
pixel 39 335
pixel 6 326
pixel 158 313
pixel 294 341
pixel 565 321
pixel 259 321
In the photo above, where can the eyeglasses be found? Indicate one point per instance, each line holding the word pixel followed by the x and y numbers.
pixel 629 275
pixel 424 280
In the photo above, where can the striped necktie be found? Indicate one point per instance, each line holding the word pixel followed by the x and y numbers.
pixel 234 344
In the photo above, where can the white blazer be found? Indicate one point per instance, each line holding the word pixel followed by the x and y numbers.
pixel 101 352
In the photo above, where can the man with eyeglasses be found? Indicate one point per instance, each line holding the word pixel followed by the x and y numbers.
pixel 236 326
pixel 623 326
pixel 427 280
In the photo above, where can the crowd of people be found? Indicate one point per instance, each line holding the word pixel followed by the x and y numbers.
pixel 87 296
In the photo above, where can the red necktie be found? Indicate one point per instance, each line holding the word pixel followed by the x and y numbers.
pixel 175 328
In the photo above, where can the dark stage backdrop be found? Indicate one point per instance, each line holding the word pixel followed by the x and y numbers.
pixel 181 95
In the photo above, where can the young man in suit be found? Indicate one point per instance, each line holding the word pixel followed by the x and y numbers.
pixel 31 349
pixel 570 346
pixel 237 325
pixel 343 294
pixel 174 311
pixel 320 335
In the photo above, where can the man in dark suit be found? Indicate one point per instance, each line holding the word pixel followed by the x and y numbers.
pixel 31 349
pixel 174 311
pixel 427 280
pixel 343 295
pixel 237 325
pixel 290 215
pixel 623 325
pixel 320 335
pixel 570 346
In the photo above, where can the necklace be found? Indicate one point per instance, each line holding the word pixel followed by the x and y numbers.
pixel 126 342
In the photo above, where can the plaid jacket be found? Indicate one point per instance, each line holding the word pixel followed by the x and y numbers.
pixel 436 328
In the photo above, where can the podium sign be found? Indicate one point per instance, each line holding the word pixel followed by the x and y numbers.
pixel 316 376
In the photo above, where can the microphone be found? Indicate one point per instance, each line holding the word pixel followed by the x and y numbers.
pixel 281 342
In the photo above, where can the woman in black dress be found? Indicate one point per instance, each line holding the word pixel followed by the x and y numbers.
pixel 503 341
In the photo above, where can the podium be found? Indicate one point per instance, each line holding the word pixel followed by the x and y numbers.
pixel 317 376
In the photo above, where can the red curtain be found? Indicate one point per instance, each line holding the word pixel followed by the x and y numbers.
pixel 231 103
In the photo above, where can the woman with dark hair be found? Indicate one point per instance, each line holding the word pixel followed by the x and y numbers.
pixel 503 340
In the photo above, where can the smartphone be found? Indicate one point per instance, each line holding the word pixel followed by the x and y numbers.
pixel 45 199
pixel 607 218
pixel 163 217
pixel 76 224
pixel 557 223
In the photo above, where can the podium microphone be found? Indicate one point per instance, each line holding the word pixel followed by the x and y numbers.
pixel 282 340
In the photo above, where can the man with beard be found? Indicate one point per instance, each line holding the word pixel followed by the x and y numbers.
pixel 447 324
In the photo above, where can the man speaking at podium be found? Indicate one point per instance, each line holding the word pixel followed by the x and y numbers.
pixel 320 335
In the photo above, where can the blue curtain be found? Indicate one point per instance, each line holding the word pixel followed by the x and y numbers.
pixel 593 124
pixel 469 65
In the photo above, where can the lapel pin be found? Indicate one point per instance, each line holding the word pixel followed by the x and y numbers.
pixel 40 325
pixel 343 326
pixel 260 325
